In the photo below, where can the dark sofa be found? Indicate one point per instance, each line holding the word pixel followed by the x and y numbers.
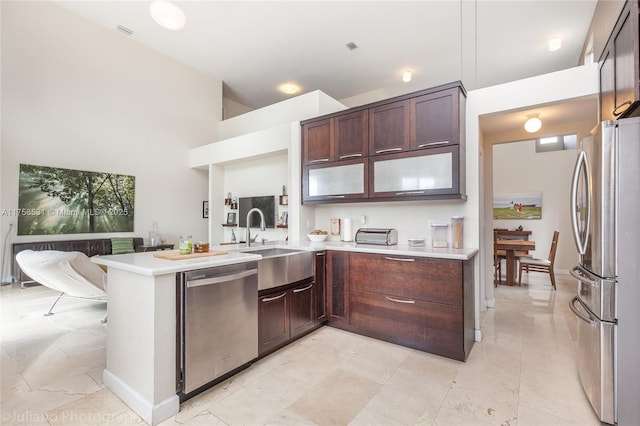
pixel 91 247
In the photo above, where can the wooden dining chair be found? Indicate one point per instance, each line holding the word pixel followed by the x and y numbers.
pixel 498 256
pixel 522 254
pixel 541 265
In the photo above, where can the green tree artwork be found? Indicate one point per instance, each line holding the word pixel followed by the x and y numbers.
pixel 63 201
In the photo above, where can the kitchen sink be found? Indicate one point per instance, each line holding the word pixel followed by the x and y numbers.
pixel 272 251
pixel 281 266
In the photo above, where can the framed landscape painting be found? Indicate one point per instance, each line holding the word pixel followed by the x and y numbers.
pixel 53 200
pixel 517 205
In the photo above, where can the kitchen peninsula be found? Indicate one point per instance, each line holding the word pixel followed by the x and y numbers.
pixel 141 342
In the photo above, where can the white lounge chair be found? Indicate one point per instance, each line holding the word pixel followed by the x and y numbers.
pixel 71 273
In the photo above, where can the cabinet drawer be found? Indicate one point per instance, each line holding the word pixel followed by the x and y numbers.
pixel 427 326
pixel 435 280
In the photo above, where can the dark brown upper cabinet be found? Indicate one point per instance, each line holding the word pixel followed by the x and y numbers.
pixel 620 67
pixel 351 136
pixel 317 140
pixel 389 128
pixel 343 152
pixel 344 137
pixel 435 119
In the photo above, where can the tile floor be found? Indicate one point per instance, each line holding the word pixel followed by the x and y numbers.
pixel 522 373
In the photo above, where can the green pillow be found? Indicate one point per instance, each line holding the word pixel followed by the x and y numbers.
pixel 122 245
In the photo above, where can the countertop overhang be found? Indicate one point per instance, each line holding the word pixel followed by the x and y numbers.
pixel 148 264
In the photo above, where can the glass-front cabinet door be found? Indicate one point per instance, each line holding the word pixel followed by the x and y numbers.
pixel 337 181
pixel 406 175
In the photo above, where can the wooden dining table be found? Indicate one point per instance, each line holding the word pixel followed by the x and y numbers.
pixel 511 247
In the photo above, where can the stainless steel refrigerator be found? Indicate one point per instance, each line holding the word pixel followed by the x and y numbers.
pixel 605 212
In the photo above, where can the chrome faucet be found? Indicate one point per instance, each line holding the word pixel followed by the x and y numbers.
pixel 262 224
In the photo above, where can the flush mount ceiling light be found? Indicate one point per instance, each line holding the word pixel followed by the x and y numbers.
pixel 167 15
pixel 406 76
pixel 555 44
pixel 533 123
pixel 289 88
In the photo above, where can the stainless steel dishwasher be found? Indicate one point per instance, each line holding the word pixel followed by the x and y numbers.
pixel 218 323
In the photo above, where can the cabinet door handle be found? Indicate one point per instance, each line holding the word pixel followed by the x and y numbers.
pixel 625 103
pixel 400 259
pixel 321 160
pixel 271 299
pixel 381 151
pixel 423 145
pixel 410 193
pixel 400 300
pixel 335 196
pixel 342 157
pixel 298 290
pixel 324 253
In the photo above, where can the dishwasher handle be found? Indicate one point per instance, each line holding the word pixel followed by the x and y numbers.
pixel 222 278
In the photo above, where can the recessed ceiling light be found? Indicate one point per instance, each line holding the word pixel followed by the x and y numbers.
pixel 406 76
pixel 167 15
pixel 555 44
pixel 289 88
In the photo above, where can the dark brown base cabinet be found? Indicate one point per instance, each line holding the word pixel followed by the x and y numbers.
pixel 273 321
pixel 337 270
pixel 321 291
pixel 288 312
pixel 430 327
pixel 302 309
pixel 423 303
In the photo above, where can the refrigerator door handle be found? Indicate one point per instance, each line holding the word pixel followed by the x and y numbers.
pixel 576 273
pixel 581 163
pixel 577 313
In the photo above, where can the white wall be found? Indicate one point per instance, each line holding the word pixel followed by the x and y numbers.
pixel 257 177
pixel 410 218
pixel 79 96
pixel 232 108
pixel 300 107
pixel 518 168
pixel 272 136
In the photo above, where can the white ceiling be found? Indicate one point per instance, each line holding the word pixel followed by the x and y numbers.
pixel 255 46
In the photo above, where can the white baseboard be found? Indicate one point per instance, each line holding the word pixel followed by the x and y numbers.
pixel 491 303
pixel 152 414
pixel 478 335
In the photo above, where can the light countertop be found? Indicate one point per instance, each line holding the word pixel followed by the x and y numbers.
pixel 148 264
pixel 399 250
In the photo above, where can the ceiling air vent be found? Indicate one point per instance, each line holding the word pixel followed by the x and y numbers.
pixel 351 45
pixel 124 30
